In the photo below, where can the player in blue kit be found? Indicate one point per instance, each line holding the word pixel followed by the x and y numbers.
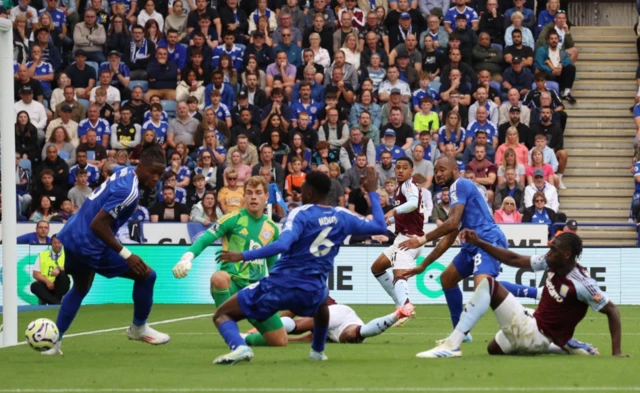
pixel 467 210
pixel 91 247
pixel 308 243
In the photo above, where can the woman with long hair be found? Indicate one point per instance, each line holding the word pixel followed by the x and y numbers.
pixel 177 20
pixel 207 167
pixel 516 23
pixel 45 21
pixel 365 103
pixel 320 54
pixel 334 171
pixel 547 15
pixel 183 174
pixel 149 139
pixel 298 149
pixel 149 13
pixel 211 123
pixel 119 36
pixel 204 211
pixel 274 123
pixel 26 138
pixel 507 214
pixel 210 143
pixel 21 33
pixel 324 155
pixel 262 12
pixel 512 141
pixel 230 73
pixel 187 161
pixel 537 162
pixel 57 96
pixel 280 148
pixel 152 31
pixel 122 158
pixel 510 161
pixel 432 58
pixel 252 66
pixel 243 170
pixel 44 211
pixel 61 140
pixel 190 86
pixel 351 50
pixel 452 132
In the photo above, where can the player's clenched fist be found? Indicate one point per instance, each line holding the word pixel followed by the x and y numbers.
pixel 181 269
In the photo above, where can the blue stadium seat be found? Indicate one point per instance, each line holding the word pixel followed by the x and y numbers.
pixel 496 85
pixel 93 65
pixel 550 85
pixel 497 46
pixel 171 107
pixel 25 164
pixel 435 85
pixel 185 46
pixel 84 103
pixel 141 83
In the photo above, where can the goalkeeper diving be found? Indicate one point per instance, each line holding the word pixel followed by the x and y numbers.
pixel 246 229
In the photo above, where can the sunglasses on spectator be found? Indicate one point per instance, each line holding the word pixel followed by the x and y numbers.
pixel 510 203
pixel 232 178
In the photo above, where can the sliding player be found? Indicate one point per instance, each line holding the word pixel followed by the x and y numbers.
pixel 309 242
pixel 91 247
pixel 467 209
pixel 567 294
pixel 246 229
pixel 409 219
pixel 345 326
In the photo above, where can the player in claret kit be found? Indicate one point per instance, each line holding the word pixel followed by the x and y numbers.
pixel 345 326
pixel 310 239
pixel 567 294
pixel 91 247
pixel 243 230
pixel 409 220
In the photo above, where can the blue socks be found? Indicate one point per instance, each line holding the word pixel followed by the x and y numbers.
pixel 520 290
pixel 319 338
pixel 454 301
pixel 143 299
pixel 70 306
pixel 231 334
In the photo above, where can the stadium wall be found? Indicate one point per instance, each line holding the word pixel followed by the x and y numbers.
pixel 351 282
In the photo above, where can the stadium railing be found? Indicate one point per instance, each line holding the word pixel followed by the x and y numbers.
pixel 559 225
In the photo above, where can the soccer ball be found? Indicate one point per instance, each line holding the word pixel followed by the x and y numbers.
pixel 42 334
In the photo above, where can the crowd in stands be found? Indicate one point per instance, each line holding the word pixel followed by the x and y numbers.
pixel 278 88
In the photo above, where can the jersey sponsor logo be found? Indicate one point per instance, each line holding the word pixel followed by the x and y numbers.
pixel 564 290
pixel 552 290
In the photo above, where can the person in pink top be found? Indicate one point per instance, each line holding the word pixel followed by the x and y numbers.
pixel 512 141
pixel 507 214
pixel 243 170
pixel 538 164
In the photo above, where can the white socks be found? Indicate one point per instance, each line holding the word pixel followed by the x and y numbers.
pixel 473 311
pixel 386 281
pixel 402 292
pixel 378 325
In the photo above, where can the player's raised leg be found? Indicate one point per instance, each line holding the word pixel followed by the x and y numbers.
pixel 518 290
pixel 139 330
pixel 379 325
pixel 220 287
pixel 381 271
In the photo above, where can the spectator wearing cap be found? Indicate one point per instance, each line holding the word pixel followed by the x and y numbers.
pixel 487 57
pixel 242 102
pixel 83 77
pixel 40 236
pixel 25 79
pixel 264 53
pixel 36 111
pixel 90 37
pixel 481 139
pixel 544 187
pixel 570 226
pixel 65 120
pixel 399 30
pixel 565 41
pixel 50 53
pixel 513 101
pixel 404 132
pixel 163 76
pixel 78 112
pixel 556 64
pixel 120 73
pixel 518 49
pixel 460 8
pixel 395 101
pixel 389 145
pixel 518 77
pixel 141 52
pixel 527 15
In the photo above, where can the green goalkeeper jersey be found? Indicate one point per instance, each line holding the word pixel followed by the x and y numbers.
pixel 240 231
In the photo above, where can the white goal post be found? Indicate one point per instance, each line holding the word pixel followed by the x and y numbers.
pixel 9 332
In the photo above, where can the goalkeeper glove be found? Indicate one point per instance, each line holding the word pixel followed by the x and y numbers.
pixel 181 269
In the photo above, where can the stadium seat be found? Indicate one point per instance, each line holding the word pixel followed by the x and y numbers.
pixel 494 45
pixel 435 85
pixel 495 85
pixel 185 46
pixel 93 65
pixel 550 85
pixel 25 164
pixel 84 103
pixel 171 107
pixel 143 84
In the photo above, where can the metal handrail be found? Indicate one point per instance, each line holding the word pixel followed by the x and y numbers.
pixel 596 224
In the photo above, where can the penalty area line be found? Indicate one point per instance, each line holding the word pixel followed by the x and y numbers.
pixel 338 390
pixel 101 331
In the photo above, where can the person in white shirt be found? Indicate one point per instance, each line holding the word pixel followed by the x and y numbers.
pixel 113 94
pixel 149 12
pixel 65 121
pixel 393 82
pixel 539 184
pixel 29 12
pixel 36 110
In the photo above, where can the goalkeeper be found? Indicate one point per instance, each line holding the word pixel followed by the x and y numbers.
pixel 246 229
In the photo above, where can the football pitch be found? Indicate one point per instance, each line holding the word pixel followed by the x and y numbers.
pixel 98 358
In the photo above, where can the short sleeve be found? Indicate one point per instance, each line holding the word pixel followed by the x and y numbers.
pixel 474 16
pixel 539 262
pixel 589 292
pixel 294 225
pixel 459 193
pixel 636 169
pixel 121 196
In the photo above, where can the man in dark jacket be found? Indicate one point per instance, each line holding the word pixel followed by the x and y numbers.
pixel 57 165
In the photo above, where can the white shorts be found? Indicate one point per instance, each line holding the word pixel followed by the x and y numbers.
pixel 519 330
pixel 402 259
pixel 341 316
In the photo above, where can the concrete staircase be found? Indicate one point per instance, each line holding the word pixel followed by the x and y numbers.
pixel 599 134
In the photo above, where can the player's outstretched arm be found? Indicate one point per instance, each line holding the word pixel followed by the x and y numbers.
pixel 451 225
pixel 440 248
pixel 287 238
pixel 378 224
pixel 182 268
pixel 505 256
pixel 615 328
pixel 101 226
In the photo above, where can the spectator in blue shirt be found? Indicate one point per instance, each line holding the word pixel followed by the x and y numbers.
pixel 389 144
pixel 177 53
pixel 231 49
pixel 163 76
pixel 40 236
pixel 517 77
pixel 529 17
pixel 121 75
pixel 461 9
pixel 41 70
pixel 293 51
pixel 264 53
pixel 227 93
pixel 317 90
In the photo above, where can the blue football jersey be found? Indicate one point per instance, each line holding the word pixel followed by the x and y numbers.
pixel 160 130
pixel 476 214
pixel 636 171
pixel 147 117
pixel 313 235
pixel 118 196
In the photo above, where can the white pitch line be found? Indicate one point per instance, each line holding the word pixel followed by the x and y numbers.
pixel 339 390
pixel 166 321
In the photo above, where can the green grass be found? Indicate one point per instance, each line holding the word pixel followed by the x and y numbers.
pixel 109 362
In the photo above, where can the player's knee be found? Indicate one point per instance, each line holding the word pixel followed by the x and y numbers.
pixel 278 340
pixel 448 279
pixel 220 280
